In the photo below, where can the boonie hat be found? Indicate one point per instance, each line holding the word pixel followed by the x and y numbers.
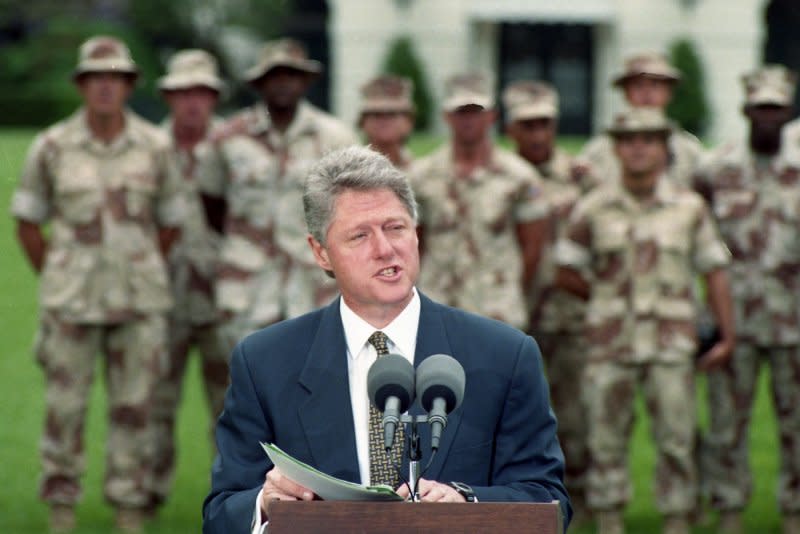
pixel 104 53
pixel 191 68
pixel 284 52
pixel 530 100
pixel 468 89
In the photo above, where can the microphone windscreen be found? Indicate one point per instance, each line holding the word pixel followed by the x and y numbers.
pixel 441 376
pixel 391 376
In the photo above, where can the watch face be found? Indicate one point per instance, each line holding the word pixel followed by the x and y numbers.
pixel 464 490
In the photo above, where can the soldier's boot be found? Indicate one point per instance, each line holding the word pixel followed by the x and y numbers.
pixel 130 520
pixel 730 522
pixel 610 522
pixel 676 524
pixel 62 518
pixel 791 524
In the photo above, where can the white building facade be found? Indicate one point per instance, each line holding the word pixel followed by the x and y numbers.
pixel 579 45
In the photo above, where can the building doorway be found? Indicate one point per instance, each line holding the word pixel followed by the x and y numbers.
pixel 782 44
pixel 561 54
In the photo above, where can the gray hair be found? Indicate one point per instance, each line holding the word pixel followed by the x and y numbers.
pixel 353 168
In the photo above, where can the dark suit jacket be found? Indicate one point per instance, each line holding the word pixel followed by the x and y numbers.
pixel 289 386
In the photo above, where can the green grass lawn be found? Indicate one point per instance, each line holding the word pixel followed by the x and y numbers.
pixel 21 405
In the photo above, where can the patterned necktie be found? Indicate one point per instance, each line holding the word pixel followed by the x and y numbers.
pixel 381 465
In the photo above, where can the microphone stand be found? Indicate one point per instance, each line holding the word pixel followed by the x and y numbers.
pixel 414 453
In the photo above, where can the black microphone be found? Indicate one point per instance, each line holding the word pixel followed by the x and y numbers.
pixel 390 385
pixel 440 384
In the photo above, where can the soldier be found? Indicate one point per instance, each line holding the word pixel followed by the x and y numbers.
pixel 754 191
pixel 191 89
pixel 267 272
pixel 648 81
pixel 641 240
pixel 483 214
pixel 103 181
pixel 556 316
pixel 387 117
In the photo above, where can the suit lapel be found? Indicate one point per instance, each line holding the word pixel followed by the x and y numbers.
pixel 432 339
pixel 331 438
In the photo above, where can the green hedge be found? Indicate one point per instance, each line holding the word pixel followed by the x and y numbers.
pixel 402 61
pixel 689 106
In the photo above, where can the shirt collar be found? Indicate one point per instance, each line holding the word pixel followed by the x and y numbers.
pixel 665 193
pixel 84 136
pixel 402 331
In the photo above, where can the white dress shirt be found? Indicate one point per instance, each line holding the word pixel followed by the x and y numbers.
pixel 402 340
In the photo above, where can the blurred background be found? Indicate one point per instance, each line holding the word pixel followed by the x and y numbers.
pixel 577 45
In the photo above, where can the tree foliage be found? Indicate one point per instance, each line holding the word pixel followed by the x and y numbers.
pixel 689 106
pixel 401 60
pixel 39 41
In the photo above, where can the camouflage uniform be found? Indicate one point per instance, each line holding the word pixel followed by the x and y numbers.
pixel 192 265
pixel 104 289
pixel 472 259
pixel 641 259
pixel 556 316
pixel 267 270
pixel 685 150
pixel 756 202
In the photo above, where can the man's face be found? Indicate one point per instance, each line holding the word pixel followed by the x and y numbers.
pixel 105 93
pixel 641 153
pixel 387 127
pixel 470 125
pixel 283 87
pixel 535 138
pixel 767 121
pixel 192 107
pixel 644 91
pixel 371 247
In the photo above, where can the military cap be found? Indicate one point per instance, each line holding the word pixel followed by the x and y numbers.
pixel 191 68
pixel 770 84
pixel 285 52
pixel 468 89
pixel 387 93
pixel 530 100
pixel 649 64
pixel 639 120
pixel 104 53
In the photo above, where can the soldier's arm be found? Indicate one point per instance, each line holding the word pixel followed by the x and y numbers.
pixel 721 304
pixel 532 218
pixel 573 254
pixel 211 181
pixel 712 257
pixel 31 201
pixel 33 242
pixel 532 237
pixel 570 280
pixel 171 208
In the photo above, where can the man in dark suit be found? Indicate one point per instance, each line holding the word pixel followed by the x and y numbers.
pixel 301 384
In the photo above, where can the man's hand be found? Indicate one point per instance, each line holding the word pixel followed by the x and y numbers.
pixel 716 356
pixel 279 488
pixel 432 491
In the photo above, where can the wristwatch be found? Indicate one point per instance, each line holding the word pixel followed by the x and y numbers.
pixel 464 490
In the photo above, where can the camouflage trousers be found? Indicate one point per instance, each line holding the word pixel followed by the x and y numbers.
pixel 134 356
pixel 214 357
pixel 564 354
pixel 609 395
pixel 726 471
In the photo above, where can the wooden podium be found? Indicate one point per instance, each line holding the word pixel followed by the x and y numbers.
pixel 340 517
